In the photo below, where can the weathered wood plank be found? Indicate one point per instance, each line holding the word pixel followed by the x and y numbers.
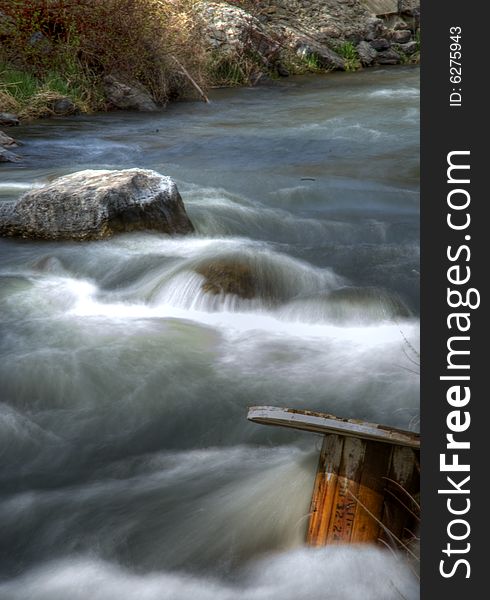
pixel 405 473
pixel 342 521
pixel 324 490
pixel 324 423
pixel 370 495
pixel 365 475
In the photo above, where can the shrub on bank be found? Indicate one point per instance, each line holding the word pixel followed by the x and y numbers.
pixel 55 48
pixel 348 51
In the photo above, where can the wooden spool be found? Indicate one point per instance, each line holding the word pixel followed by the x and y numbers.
pixel 366 476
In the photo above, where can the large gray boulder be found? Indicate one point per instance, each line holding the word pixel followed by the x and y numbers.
pixel 232 30
pixel 96 204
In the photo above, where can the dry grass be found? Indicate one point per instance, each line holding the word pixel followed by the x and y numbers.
pixel 80 41
pixel 7 102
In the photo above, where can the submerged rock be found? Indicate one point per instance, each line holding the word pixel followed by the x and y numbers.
pixel 371 299
pixel 348 305
pixel 229 276
pixel 248 277
pixel 96 204
pixel 6 143
pixel 7 156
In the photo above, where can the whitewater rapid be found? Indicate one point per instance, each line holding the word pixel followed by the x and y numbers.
pixel 129 469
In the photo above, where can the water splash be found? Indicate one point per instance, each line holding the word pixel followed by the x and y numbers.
pixel 340 573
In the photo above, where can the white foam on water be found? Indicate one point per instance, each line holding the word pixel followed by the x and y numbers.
pixel 334 573
pixel 180 247
pixel 412 116
pixel 234 322
pixel 397 93
pixel 7 186
pixel 341 128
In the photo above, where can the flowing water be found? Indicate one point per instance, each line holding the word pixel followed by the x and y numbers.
pixel 129 470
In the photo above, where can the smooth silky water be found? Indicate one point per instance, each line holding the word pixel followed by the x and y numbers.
pixel 129 470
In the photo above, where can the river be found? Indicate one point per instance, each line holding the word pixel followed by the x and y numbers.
pixel 129 470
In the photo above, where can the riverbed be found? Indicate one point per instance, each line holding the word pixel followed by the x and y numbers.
pixel 129 469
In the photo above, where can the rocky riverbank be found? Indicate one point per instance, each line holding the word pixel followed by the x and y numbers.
pixel 290 35
pixel 222 43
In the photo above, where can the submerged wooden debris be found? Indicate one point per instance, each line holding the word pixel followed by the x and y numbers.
pixel 367 478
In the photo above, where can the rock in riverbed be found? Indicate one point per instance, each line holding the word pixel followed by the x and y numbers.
pixel 228 276
pixel 367 54
pixel 96 204
pixel 7 156
pixel 8 119
pixel 123 95
pixel 6 141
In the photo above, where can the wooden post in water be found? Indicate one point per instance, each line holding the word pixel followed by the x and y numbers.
pixel 366 477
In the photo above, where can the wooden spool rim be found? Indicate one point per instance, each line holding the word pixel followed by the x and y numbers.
pixel 316 422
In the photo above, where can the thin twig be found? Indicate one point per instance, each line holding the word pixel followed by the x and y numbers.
pixel 400 487
pixel 395 556
pixel 412 360
pixel 385 543
pixel 409 344
pixel 407 369
pixel 403 504
pixel 397 590
pixel 186 73
pixel 414 537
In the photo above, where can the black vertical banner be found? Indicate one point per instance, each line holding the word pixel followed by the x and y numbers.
pixel 455 161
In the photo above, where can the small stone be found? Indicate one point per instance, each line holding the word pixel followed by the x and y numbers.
pixel 367 54
pixel 282 71
pixel 374 29
pixel 401 37
pixel 8 119
pixel 388 57
pixel 63 107
pixel 325 57
pixel 401 26
pixel 380 44
pixel 127 96
pixel 409 48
